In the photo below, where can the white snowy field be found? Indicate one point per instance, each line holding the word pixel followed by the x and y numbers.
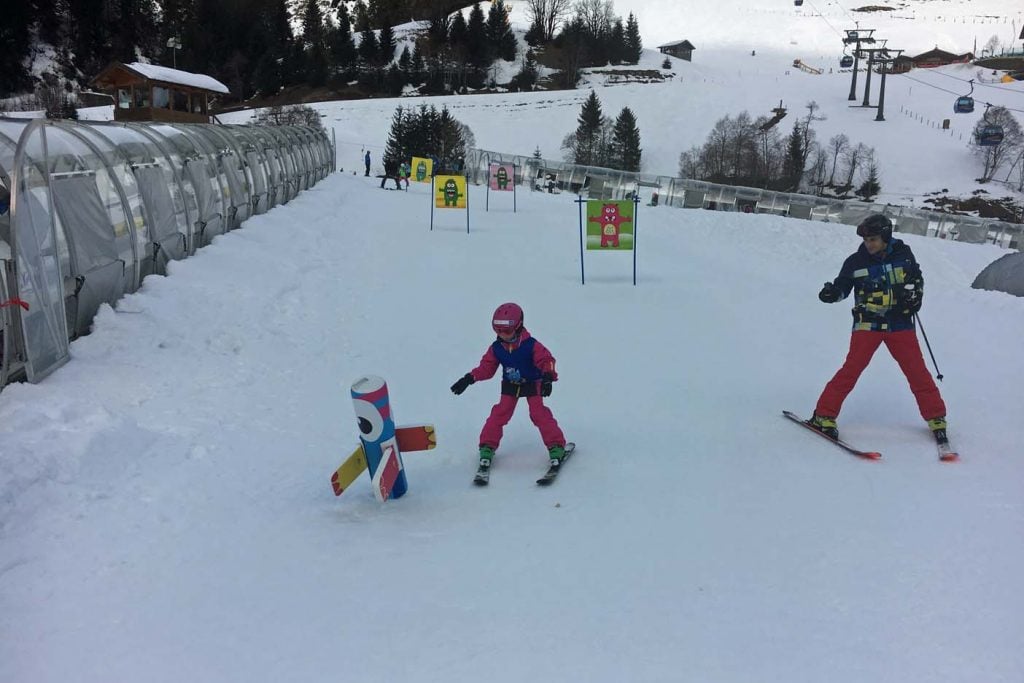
pixel 167 513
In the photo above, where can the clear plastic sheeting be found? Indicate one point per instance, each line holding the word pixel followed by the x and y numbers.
pixel 89 209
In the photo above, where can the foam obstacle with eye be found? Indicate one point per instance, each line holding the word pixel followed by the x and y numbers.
pixel 381 443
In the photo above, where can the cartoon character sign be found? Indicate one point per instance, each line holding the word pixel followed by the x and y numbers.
pixel 450 192
pixel 609 224
pixel 422 169
pixel 501 176
pixel 381 443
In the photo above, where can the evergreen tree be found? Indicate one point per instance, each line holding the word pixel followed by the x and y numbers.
pixel 405 60
pixel 314 38
pixel 634 46
pixel 458 35
pixel 386 45
pixel 870 187
pixel 499 32
pixel 360 17
pixel 617 43
pixel 535 34
pixel 793 163
pixel 477 52
pixel 15 37
pixel 586 140
pixel 368 47
pixel 526 79
pixel 343 47
pixel 416 68
pixel 626 152
pixel 394 80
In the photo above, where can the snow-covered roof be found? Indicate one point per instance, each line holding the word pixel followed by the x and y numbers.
pixel 168 75
pixel 679 43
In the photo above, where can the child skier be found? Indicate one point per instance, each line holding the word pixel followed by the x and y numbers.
pixel 888 289
pixel 528 372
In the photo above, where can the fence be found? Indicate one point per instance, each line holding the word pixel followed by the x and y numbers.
pixel 655 190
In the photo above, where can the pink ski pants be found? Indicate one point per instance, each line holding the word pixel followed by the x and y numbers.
pixel 540 415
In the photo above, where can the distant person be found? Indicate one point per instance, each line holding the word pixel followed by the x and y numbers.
pixel 404 170
pixel 366 160
pixel 390 171
pixel 888 290
pixel 528 371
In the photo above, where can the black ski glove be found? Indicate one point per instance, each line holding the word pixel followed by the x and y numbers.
pixel 463 382
pixel 830 294
pixel 910 299
pixel 545 383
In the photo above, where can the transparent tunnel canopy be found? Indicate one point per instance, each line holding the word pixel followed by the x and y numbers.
pixel 89 209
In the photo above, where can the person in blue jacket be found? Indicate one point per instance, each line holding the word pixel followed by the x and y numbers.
pixel 888 290
pixel 366 160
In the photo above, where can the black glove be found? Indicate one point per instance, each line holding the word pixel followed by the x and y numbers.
pixel 545 383
pixel 910 298
pixel 463 382
pixel 830 294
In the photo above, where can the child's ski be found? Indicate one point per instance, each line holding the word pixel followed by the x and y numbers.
pixel 483 473
pixel 867 455
pixel 554 469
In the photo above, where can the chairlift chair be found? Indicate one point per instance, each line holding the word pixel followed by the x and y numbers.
pixel 963 105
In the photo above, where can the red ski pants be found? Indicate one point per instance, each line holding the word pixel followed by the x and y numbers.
pixel 540 415
pixel 904 348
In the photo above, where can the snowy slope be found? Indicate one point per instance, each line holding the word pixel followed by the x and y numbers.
pixel 167 513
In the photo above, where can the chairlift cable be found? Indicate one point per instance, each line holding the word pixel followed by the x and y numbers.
pixel 951 92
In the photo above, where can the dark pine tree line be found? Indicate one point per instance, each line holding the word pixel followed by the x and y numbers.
pixel 426 132
pixel 251 47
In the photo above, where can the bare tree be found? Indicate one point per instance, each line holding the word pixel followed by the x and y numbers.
pixel 837 145
pixel 853 158
pixel 598 15
pixel 549 14
pixel 807 133
pixel 994 156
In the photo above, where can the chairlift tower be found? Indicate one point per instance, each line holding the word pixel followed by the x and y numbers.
pixel 871 52
pixel 886 59
pixel 855 37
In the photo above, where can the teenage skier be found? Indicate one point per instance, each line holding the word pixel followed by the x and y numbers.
pixel 888 290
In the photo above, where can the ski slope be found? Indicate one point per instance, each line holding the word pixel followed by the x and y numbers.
pixel 167 512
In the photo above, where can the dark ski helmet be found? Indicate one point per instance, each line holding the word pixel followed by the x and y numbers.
pixel 507 319
pixel 877 224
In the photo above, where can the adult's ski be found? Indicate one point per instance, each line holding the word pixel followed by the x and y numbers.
pixel 867 455
pixel 554 468
pixel 946 453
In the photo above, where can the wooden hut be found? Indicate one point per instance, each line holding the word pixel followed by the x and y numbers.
pixel 147 92
pixel 683 49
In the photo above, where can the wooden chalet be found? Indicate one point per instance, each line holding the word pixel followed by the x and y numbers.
pixel 939 57
pixel 147 92
pixel 683 49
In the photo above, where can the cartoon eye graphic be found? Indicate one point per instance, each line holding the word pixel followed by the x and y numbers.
pixel 371 422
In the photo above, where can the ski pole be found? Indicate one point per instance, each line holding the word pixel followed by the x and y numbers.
pixel 938 375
